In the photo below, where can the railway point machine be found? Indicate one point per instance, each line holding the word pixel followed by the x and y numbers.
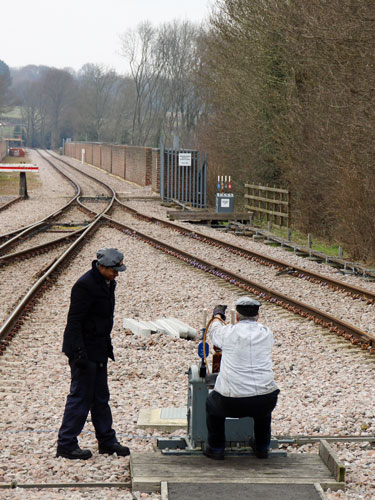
pixel 224 197
pixel 239 432
pixel 178 469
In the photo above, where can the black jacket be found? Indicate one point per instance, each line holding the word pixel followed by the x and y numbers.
pixel 90 318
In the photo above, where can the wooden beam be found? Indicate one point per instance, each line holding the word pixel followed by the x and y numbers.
pixel 332 461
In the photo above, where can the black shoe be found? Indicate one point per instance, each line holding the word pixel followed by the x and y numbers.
pixel 76 454
pixel 121 451
pixel 215 453
pixel 261 453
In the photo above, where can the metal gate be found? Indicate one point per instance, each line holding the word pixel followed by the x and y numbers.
pixel 183 176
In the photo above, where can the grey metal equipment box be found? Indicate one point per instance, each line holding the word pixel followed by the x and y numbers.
pixel 238 431
pixel 224 202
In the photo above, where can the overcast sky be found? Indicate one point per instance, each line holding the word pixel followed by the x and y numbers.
pixel 71 33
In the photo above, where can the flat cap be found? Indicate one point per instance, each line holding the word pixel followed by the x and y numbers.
pixel 111 257
pixel 247 306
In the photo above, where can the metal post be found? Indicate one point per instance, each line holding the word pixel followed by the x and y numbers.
pixel 179 177
pixel 200 183
pixel 168 174
pixel 195 184
pixel 186 183
pixel 176 176
pixel 205 181
pixel 162 187
pixel 189 194
pixel 23 185
pixel 204 318
pixel 183 184
pixel 309 241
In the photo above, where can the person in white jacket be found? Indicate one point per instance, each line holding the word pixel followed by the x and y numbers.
pixel 245 385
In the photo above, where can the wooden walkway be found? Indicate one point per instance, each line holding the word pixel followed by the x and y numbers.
pixel 231 491
pixel 200 216
pixel 149 470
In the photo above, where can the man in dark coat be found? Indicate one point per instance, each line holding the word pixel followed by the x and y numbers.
pixel 87 343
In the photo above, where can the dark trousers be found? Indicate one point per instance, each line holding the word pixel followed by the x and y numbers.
pixel 258 407
pixel 88 393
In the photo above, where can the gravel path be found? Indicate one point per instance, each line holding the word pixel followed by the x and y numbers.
pixel 326 385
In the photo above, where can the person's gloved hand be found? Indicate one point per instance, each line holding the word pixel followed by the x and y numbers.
pixel 80 359
pixel 220 310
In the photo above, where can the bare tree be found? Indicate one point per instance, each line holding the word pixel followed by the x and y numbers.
pixel 58 87
pixel 30 111
pixel 97 85
pixel 122 110
pixel 162 62
pixel 179 42
pixel 146 67
pixel 5 84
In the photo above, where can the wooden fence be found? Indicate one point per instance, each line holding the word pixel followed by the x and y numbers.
pixel 270 203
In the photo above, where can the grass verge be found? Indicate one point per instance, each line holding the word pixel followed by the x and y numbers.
pixel 318 244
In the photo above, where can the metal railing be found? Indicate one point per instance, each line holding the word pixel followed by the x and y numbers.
pixel 183 176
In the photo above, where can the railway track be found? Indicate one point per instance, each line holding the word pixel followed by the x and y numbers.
pixel 280 265
pixel 71 242
pixel 13 239
pixel 7 204
pixel 350 332
pixel 137 365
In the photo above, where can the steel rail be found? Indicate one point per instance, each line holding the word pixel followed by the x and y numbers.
pixel 6 330
pixel 350 332
pixel 106 186
pixel 38 249
pixel 39 225
pixel 303 439
pixel 24 304
pixel 357 336
pixel 293 270
pixel 12 237
pixel 11 202
pixel 299 272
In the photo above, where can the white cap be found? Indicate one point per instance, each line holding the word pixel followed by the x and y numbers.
pixel 247 301
pixel 247 306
